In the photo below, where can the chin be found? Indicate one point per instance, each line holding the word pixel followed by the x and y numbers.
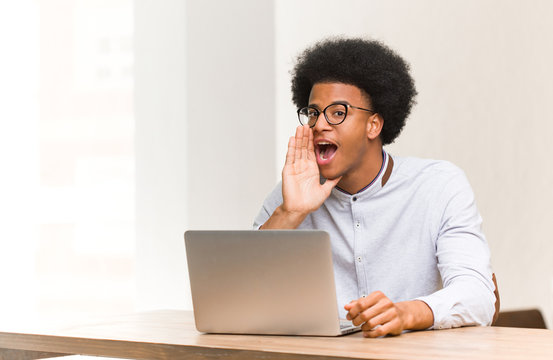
pixel 327 174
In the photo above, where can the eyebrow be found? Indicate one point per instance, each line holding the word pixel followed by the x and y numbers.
pixel 332 103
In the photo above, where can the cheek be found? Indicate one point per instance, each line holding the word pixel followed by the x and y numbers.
pixel 354 141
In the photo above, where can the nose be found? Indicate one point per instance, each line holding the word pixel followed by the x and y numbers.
pixel 321 124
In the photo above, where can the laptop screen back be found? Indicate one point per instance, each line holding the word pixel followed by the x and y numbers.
pixel 262 282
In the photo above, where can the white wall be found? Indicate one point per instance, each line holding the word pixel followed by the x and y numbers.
pixel 66 154
pixel 19 156
pixel 204 130
pixel 214 115
pixel 483 73
pixel 231 111
pixel 160 138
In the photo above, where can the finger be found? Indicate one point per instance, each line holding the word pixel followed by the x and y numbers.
pixel 299 135
pixel 372 299
pixel 393 328
pixel 361 304
pixel 348 316
pixel 328 186
pixel 379 319
pixel 310 145
pixel 382 306
pixel 348 307
pixel 305 136
pixel 305 141
pixel 291 151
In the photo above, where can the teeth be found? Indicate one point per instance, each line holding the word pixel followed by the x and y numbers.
pixel 324 146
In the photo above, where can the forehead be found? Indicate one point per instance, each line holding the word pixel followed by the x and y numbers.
pixel 328 92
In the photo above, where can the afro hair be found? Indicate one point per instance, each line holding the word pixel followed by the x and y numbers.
pixel 367 64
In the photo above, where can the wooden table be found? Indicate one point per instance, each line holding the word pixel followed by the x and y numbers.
pixel 170 334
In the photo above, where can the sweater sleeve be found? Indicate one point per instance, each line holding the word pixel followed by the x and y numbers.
pixel 467 296
pixel 273 200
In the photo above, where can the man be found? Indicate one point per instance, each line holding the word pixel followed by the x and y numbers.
pixel 407 246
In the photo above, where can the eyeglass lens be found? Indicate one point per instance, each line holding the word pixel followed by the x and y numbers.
pixel 334 114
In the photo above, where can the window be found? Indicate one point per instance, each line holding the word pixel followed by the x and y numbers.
pixel 67 236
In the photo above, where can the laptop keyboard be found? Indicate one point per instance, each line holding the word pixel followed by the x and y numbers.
pixel 345 324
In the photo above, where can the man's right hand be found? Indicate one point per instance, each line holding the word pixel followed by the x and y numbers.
pixel 302 191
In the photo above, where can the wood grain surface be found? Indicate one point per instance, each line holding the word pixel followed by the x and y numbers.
pixel 170 334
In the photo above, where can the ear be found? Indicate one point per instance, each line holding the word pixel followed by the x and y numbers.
pixel 374 126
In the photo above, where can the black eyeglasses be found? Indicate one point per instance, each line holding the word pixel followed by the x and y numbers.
pixel 335 114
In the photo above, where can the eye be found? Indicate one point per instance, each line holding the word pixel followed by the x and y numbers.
pixel 339 113
pixel 312 113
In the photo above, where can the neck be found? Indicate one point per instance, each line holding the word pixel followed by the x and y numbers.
pixel 364 174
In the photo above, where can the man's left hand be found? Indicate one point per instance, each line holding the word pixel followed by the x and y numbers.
pixel 380 316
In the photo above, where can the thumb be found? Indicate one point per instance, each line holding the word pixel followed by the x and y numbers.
pixel 349 305
pixel 330 184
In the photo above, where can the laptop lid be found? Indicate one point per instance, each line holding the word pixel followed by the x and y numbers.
pixel 262 282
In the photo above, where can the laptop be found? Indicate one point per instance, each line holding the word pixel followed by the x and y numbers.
pixel 278 282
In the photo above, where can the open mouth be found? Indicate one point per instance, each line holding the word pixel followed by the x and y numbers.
pixel 325 152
